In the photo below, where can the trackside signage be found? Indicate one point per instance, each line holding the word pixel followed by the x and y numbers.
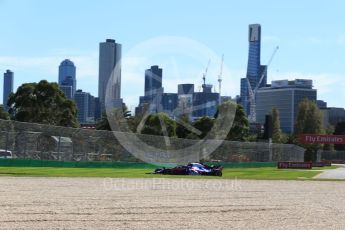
pixel 322 139
pixel 295 165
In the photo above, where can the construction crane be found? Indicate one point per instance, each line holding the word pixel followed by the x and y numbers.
pixel 252 93
pixel 205 73
pixel 220 79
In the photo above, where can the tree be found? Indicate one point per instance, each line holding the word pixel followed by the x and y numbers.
pixel 159 124
pixel 3 114
pixel 277 135
pixel 204 125
pixel 116 114
pixel 309 121
pixel 103 124
pixel 309 118
pixel 181 130
pixel 329 147
pixel 126 112
pixel 42 102
pixel 240 127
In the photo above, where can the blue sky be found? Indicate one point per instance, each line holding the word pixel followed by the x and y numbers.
pixel 37 35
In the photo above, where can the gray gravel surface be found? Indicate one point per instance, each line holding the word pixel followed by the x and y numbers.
pixel 95 203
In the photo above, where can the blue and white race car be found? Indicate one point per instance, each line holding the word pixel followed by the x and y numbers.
pixel 192 169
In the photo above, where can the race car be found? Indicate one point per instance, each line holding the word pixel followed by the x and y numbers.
pixel 192 169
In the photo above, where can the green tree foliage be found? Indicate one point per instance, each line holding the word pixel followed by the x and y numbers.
pixel 290 139
pixel 204 125
pixel 329 130
pixel 309 121
pixel 115 116
pixel 240 127
pixel 3 114
pixel 134 121
pixel 181 130
pixel 42 102
pixel 309 118
pixel 277 135
pixel 103 124
pixel 159 124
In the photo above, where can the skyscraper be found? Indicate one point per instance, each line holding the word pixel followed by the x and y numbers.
pixel 254 68
pixel 153 90
pixel 67 78
pixel 8 87
pixel 86 106
pixel 67 90
pixel 109 58
pixel 153 80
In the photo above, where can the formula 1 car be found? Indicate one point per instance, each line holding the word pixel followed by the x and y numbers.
pixel 192 169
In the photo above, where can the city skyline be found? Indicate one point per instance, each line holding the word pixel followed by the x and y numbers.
pixel 311 46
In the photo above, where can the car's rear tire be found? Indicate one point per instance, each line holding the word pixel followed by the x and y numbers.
pixel 219 173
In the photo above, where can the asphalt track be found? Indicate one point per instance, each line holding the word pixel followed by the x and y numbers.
pixel 334 174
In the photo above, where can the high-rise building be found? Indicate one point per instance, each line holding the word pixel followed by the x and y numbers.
pixel 285 96
pixel 185 94
pixel 321 104
pixel 205 104
pixel 98 114
pixel 91 108
pixel 67 78
pixel 67 90
pixel 86 107
pixel 169 103
pixel 332 116
pixel 153 80
pixel 197 104
pixel 8 87
pixel 254 67
pixel 82 101
pixel 152 101
pixel 153 88
pixel 109 62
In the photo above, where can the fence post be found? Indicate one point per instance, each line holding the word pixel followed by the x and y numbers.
pixel 318 155
pixel 6 145
pixel 72 159
pixel 59 157
pixel 270 156
pixel 25 146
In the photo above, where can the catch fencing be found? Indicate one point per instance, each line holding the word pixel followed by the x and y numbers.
pixel 331 155
pixel 46 142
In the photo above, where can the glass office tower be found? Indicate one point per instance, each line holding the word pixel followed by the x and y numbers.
pixel 254 67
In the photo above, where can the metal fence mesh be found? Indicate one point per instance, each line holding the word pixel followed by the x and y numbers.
pixel 44 142
pixel 331 155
